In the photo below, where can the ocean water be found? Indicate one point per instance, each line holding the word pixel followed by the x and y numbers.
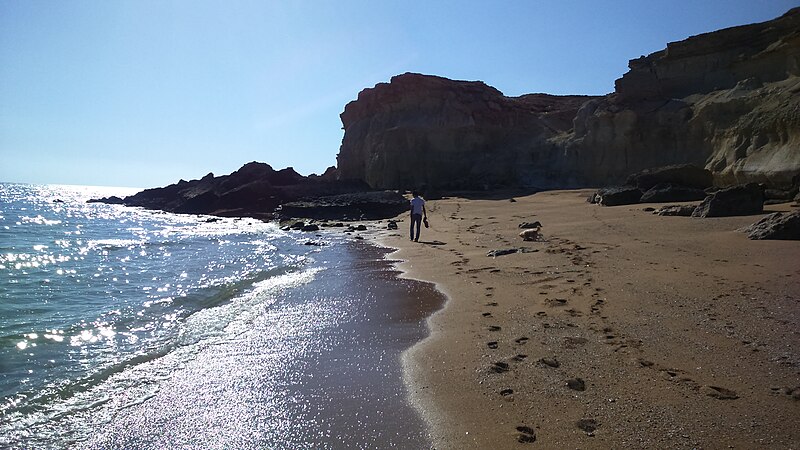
pixel 127 328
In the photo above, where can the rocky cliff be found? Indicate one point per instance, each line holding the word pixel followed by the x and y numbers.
pixel 429 131
pixel 726 100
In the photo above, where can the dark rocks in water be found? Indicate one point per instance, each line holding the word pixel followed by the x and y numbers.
pixel 310 227
pixel 361 227
pixel 255 190
pixel 676 210
pixel 619 195
pixel 527 225
pixel 668 192
pixel 739 200
pixel 392 225
pixel 362 205
pixel 113 200
pixel 684 175
pixel 778 226
pixel 332 224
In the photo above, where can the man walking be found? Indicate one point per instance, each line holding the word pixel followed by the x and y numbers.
pixel 417 214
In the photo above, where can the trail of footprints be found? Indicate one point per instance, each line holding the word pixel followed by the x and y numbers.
pixel 569 294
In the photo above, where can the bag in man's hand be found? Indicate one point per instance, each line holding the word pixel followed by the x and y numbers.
pixel 425 221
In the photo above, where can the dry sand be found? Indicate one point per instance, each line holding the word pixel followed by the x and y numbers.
pixel 681 332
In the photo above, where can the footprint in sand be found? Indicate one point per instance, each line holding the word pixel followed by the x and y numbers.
pixel 492 344
pixel 550 362
pixel 506 392
pixel 719 393
pixel 520 358
pixel 499 367
pixel 572 342
pixel 526 434
pixel 588 426
pixel 521 340
pixel 491 304
pixel 555 301
pixel 576 384
pixel 494 328
pixel 487 314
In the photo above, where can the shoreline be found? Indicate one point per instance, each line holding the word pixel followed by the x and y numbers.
pixel 618 328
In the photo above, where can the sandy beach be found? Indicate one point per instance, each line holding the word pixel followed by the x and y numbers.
pixel 616 329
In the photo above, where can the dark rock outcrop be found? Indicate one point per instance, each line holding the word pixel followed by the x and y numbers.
pixel 684 175
pixel 668 192
pixel 784 226
pixel 726 101
pixel 734 201
pixel 255 190
pixel 676 210
pixel 676 183
pixel 618 195
pixel 353 206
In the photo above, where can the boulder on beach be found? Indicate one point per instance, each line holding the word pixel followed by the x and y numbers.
pixel 676 210
pixel 618 195
pixel 739 200
pixel 353 206
pixel 669 192
pixel 779 226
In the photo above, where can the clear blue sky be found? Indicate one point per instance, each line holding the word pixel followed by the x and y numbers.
pixel 143 93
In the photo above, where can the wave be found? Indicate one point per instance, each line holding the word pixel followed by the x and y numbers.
pixel 207 320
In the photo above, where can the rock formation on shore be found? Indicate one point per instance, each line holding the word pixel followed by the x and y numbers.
pixel 257 190
pixel 421 130
pixel 727 101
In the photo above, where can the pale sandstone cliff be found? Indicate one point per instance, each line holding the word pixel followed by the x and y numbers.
pixel 421 130
pixel 725 100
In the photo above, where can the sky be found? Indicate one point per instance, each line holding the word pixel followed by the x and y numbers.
pixel 141 93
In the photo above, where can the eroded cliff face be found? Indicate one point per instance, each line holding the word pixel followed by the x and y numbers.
pixel 726 100
pixel 421 130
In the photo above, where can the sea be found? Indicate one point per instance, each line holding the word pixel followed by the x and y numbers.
pixel 129 328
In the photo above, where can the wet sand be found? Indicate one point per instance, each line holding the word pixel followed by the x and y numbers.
pixel 317 366
pixel 617 329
